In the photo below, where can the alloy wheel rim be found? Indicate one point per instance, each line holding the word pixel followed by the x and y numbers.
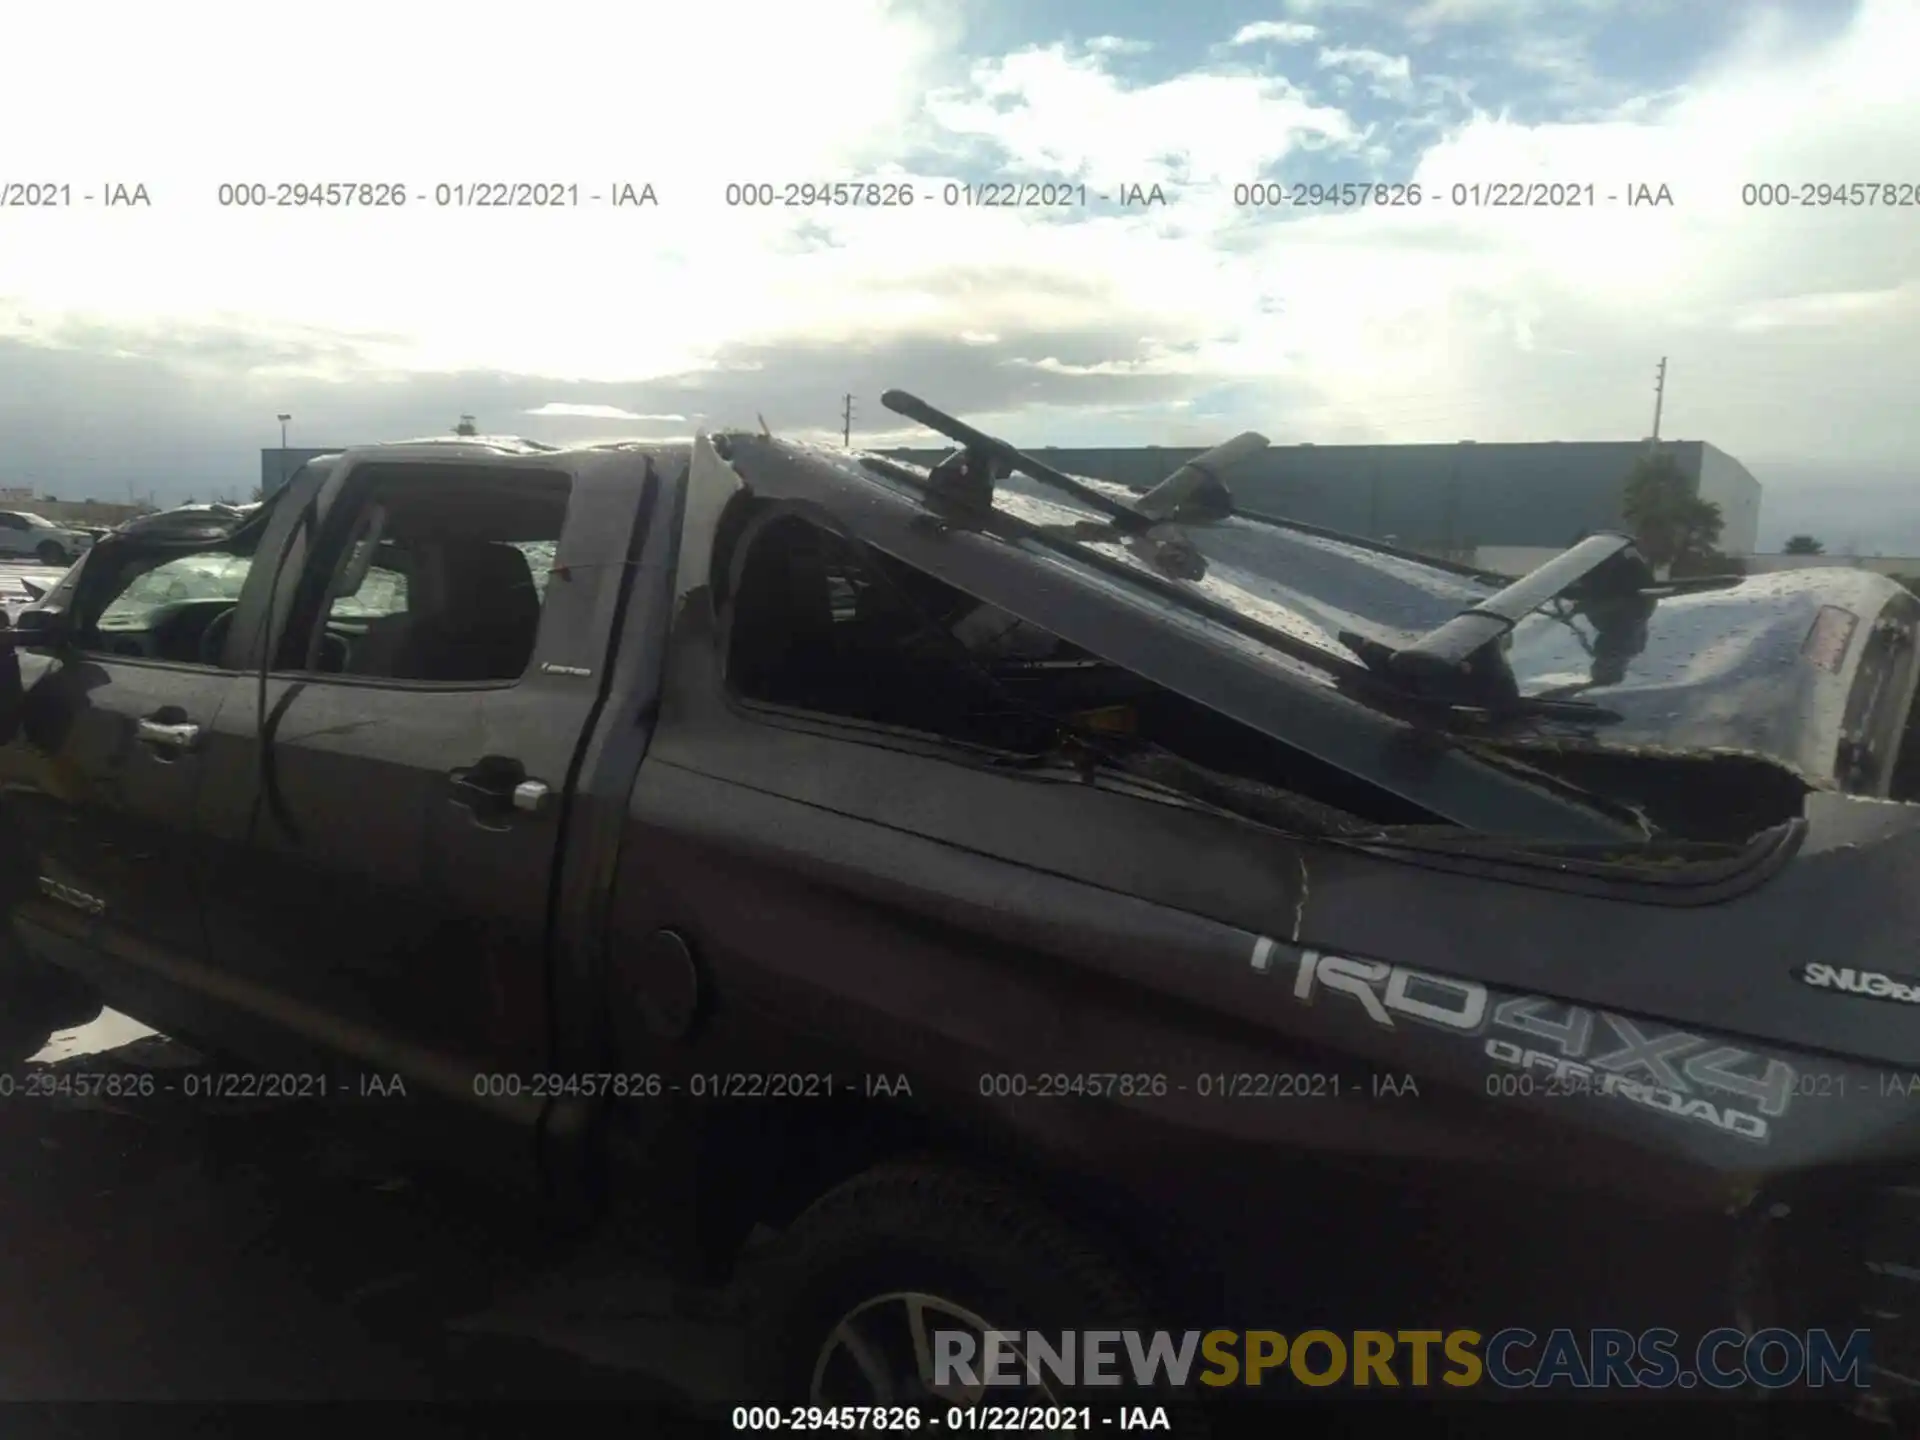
pixel 881 1352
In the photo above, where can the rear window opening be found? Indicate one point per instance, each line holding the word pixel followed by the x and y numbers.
pixel 825 626
pixel 1708 799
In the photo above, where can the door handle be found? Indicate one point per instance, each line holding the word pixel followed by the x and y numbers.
pixel 498 784
pixel 162 735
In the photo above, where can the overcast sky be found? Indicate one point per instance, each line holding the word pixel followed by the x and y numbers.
pixel 152 346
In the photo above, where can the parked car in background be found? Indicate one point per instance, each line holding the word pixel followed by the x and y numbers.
pixel 22 533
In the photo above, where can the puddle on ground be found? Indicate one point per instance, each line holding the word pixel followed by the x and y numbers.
pixel 108 1031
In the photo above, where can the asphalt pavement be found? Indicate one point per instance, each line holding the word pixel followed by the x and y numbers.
pixel 162 1251
pixel 238 1268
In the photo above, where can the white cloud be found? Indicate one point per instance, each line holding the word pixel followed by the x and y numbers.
pixel 603 412
pixel 1056 113
pixel 1834 308
pixel 1367 62
pixel 1390 74
pixel 1327 7
pixel 1276 32
pixel 1117 45
pixel 1436 322
pixel 458 94
pixel 1432 15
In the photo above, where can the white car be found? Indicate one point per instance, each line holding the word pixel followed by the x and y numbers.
pixel 26 535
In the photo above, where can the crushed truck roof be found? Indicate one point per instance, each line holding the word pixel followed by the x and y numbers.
pixel 1464 692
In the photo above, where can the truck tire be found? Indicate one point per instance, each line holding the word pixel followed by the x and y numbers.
pixel 36 1002
pixel 967 1248
pixel 51 552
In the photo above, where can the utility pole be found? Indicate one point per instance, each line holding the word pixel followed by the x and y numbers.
pixel 1659 395
pixel 846 422
pixel 283 419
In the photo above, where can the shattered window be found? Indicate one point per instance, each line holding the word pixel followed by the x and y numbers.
pixel 825 626
pixel 192 577
pixel 822 625
pixel 383 592
pixel 539 555
pixel 174 608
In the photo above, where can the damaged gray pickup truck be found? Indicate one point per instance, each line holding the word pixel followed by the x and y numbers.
pixel 1039 905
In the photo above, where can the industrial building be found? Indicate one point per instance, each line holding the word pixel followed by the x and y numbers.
pixel 277 466
pixel 1444 499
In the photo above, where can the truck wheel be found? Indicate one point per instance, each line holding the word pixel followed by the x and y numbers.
pixel 847 1299
pixel 36 1002
pixel 51 552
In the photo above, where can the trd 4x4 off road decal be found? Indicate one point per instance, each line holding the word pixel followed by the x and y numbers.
pixel 1873 984
pixel 1571 1048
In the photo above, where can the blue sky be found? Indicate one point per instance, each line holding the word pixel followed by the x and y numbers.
pixel 153 347
pixel 1534 61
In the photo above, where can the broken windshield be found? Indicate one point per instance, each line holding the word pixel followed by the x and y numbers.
pixel 192 577
pixel 1587 647
pixel 1280 628
pixel 1721 669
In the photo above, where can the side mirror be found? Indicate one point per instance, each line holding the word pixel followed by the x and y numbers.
pixel 34 630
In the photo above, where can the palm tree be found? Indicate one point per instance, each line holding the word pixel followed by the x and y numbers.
pixel 1669 521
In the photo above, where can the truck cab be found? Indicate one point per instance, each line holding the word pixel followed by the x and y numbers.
pixel 292 782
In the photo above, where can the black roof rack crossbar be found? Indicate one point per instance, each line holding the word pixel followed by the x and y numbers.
pixel 1005 460
pixel 1194 491
pixel 1458 657
pixel 1453 644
